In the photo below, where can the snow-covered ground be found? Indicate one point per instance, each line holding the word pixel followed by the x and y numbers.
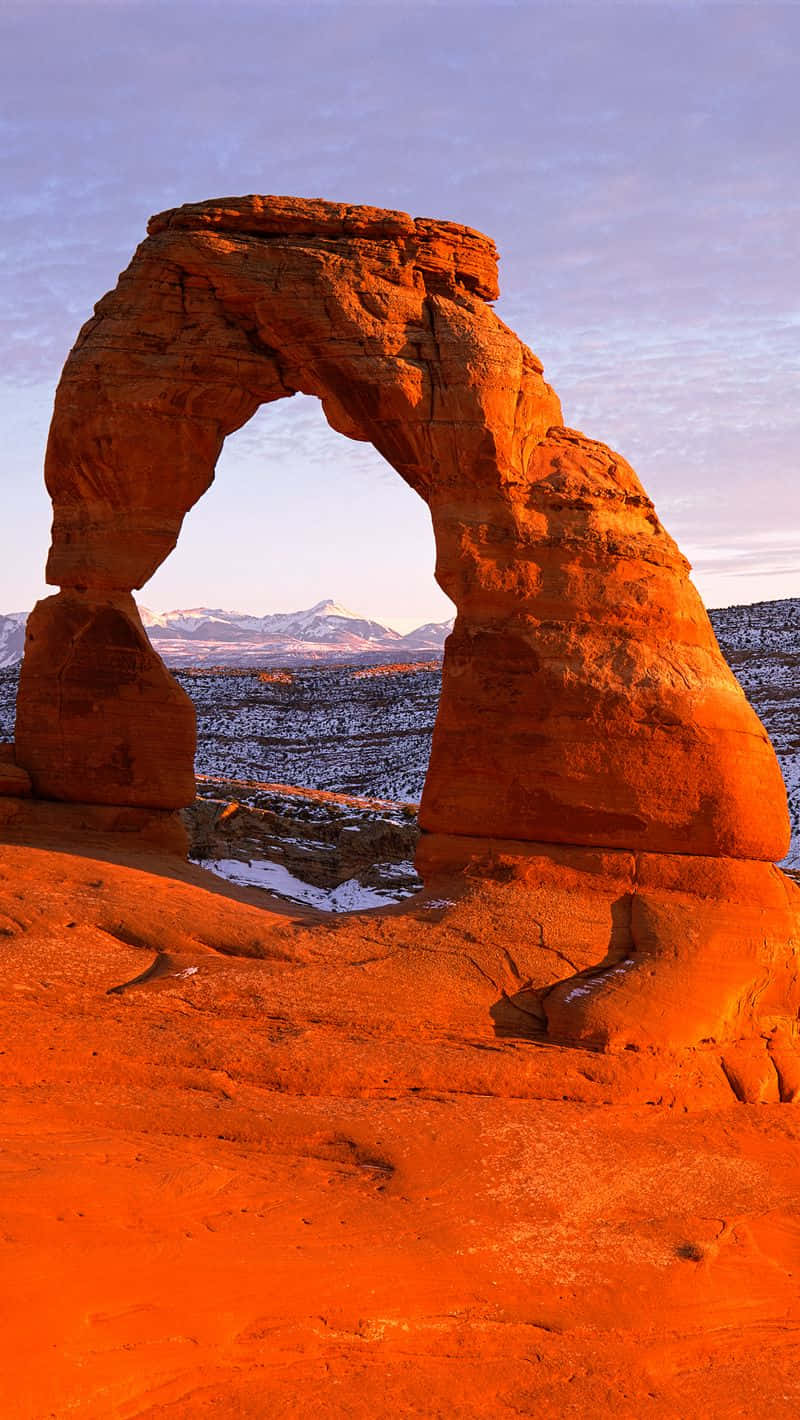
pixel 328 728
pixel 762 645
pixel 8 700
pixel 349 896
pixel 12 637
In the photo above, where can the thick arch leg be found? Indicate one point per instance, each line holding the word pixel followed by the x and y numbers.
pixel 711 959
pixel 99 718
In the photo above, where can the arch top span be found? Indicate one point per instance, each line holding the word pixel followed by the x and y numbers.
pixel 460 254
pixel 234 303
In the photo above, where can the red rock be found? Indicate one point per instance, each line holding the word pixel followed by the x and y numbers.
pixel 584 700
pixel 136 830
pixel 13 780
pixel 258 1165
pixel 584 696
pixel 100 719
pixel 646 951
pixel 699 954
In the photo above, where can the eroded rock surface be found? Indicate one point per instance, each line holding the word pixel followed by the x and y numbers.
pixel 14 781
pixel 259 1165
pixel 584 698
pixel 100 719
pixel 650 950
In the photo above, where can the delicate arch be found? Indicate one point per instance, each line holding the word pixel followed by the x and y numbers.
pixel 584 699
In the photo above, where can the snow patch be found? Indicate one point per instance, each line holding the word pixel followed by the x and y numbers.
pixel 598 979
pixel 349 896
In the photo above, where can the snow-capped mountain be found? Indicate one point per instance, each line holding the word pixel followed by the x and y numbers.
pixel 12 637
pixel 324 632
pixel 427 640
pixel 327 623
pixel 202 635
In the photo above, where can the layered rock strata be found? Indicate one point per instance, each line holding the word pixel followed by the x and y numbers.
pixel 584 698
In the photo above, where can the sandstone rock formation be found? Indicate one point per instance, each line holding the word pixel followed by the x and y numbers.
pixel 256 1166
pixel 98 709
pixel 584 700
pixel 14 782
pixel 671 951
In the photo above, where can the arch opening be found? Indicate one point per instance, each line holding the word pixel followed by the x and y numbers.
pixel 313 725
pixel 297 514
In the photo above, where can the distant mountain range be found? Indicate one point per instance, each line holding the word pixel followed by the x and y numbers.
pixel 12 637
pixel 206 636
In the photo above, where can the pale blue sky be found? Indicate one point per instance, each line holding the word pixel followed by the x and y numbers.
pixel 636 164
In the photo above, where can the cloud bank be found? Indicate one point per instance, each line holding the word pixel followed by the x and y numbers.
pixel 635 163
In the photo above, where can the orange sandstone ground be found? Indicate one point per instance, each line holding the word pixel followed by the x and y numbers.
pixel 260 1163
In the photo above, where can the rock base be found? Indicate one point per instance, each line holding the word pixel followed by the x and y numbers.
pixel 99 717
pixel 142 830
pixel 648 951
pixel 256 1165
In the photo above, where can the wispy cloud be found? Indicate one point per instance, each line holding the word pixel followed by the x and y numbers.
pixel 636 164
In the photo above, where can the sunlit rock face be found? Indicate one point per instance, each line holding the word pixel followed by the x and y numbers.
pixel 585 705
pixel 584 698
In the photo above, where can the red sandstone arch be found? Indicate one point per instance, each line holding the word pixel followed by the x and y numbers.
pixel 584 699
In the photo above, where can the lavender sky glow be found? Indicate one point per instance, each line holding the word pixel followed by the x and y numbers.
pixel 635 163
